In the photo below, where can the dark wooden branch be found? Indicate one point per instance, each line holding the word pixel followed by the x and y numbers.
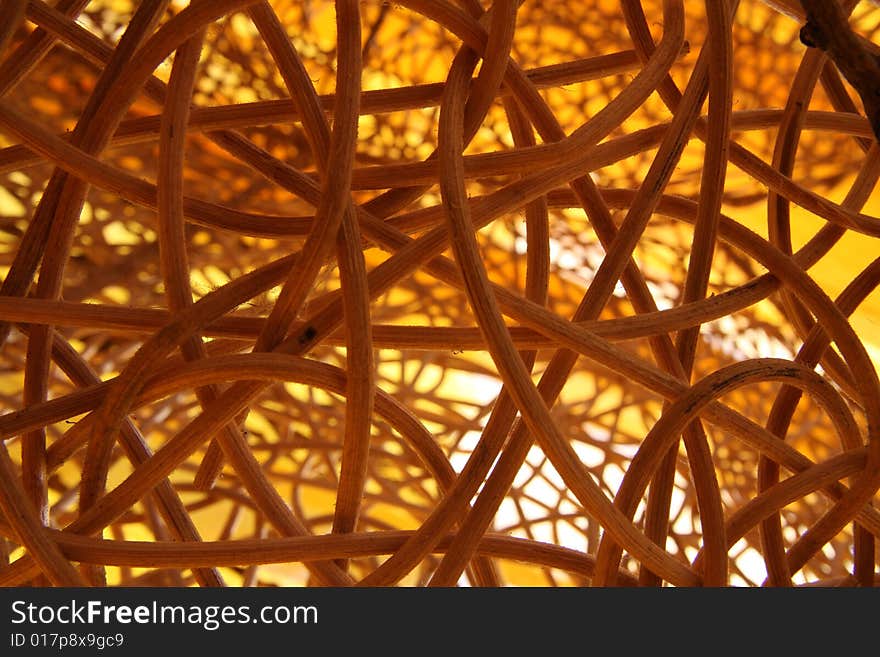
pixel 827 28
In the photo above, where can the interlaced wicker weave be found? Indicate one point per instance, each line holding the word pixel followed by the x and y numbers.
pixel 438 292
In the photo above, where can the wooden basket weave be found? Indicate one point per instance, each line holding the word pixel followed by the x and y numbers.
pixel 439 292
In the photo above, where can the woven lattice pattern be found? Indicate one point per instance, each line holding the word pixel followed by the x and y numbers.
pixel 303 292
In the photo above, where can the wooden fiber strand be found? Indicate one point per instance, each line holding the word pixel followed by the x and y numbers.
pixel 434 293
